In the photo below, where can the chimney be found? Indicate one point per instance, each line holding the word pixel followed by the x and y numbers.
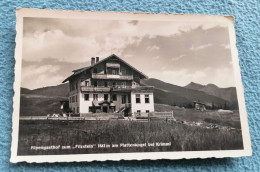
pixel 97 59
pixel 92 61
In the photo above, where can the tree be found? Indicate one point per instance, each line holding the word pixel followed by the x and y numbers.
pixel 225 106
pixel 213 106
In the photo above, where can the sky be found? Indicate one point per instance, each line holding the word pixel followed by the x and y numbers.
pixel 174 52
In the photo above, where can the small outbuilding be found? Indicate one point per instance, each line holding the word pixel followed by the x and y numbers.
pixel 199 106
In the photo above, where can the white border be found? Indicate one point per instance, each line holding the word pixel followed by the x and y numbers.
pixel 47 13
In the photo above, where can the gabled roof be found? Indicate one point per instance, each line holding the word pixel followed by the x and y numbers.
pixel 79 71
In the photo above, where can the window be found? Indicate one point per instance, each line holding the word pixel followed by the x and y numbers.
pixel 86 83
pixel 147 111
pixel 123 99
pixel 86 97
pixel 137 98
pixel 90 109
pixel 77 109
pixel 106 84
pixel 114 97
pixel 115 71
pixel 147 100
pixel 123 72
pixel 129 98
pixel 95 70
pixel 76 98
pixel 105 96
pixel 138 111
pixel 95 83
pixel 114 84
pixel 123 84
pixel 95 96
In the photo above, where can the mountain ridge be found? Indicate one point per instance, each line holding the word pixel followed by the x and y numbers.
pixel 164 93
pixel 228 93
pixel 174 94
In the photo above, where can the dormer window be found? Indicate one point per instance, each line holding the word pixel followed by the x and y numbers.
pixel 113 71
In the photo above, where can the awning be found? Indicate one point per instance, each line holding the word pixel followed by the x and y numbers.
pixel 112 104
pixel 95 103
pixel 104 102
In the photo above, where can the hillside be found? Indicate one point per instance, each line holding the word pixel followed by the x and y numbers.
pixel 59 90
pixel 39 105
pixel 170 94
pixel 43 101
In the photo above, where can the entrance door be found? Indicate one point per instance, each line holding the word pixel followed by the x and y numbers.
pixel 105 96
pixel 123 99
pixel 105 109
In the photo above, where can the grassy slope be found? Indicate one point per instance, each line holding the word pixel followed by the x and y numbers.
pixel 61 90
pixel 213 117
pixel 182 137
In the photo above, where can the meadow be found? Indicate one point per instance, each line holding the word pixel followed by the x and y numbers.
pixel 182 137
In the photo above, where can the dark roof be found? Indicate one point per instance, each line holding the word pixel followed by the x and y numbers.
pixel 199 103
pixel 79 71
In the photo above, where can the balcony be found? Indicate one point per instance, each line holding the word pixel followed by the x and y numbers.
pixel 134 89
pixel 109 76
pixel 117 88
pixel 122 88
pixel 94 89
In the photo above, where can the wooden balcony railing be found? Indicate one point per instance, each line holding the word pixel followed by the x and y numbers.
pixel 130 88
pixel 95 89
pixel 116 88
pixel 109 76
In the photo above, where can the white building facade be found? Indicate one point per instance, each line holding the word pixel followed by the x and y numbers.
pixel 108 86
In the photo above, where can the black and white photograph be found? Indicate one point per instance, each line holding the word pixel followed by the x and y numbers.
pixel 111 86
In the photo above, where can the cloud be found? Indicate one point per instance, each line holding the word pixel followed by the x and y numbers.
pixel 181 47
pixel 78 40
pixel 178 58
pixel 178 51
pixel 200 47
pixel 227 46
pixel 152 48
pixel 39 76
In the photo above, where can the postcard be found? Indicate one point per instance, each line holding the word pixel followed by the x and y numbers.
pixel 126 86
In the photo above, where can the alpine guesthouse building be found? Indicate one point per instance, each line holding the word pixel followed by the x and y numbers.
pixel 108 86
